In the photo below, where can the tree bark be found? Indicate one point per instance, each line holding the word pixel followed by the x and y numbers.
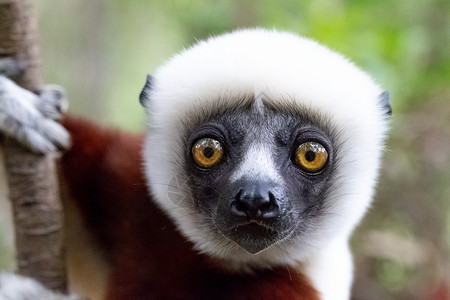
pixel 32 181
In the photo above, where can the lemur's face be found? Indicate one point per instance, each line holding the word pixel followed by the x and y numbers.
pixel 263 146
pixel 258 173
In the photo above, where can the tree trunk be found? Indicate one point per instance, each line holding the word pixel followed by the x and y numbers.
pixel 32 181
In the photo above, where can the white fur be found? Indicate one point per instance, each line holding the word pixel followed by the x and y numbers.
pixel 331 270
pixel 283 67
pixel 15 287
pixel 25 117
pixel 258 164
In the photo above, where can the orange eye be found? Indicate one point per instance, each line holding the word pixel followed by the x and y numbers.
pixel 311 156
pixel 207 152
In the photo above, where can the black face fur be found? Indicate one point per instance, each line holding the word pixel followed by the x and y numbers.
pixel 291 204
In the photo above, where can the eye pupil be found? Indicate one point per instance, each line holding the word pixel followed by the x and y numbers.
pixel 208 152
pixel 310 156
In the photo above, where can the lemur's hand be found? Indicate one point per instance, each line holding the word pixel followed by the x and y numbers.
pixel 30 118
pixel 15 287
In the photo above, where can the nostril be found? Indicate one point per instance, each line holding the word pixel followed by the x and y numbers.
pixel 238 207
pixel 272 198
pixel 270 208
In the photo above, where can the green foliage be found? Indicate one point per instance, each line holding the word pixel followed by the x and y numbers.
pixel 392 275
pixel 404 44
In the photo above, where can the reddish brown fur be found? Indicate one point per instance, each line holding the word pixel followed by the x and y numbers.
pixel 149 259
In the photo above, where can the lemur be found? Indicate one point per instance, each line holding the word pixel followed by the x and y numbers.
pixel 260 156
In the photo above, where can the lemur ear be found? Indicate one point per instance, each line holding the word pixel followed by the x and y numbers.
pixel 385 102
pixel 144 97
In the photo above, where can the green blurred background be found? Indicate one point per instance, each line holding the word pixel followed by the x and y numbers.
pixel 101 51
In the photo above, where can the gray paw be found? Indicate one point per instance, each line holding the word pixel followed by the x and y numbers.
pixel 27 118
pixel 53 102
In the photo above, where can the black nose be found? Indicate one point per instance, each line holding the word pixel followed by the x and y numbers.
pixel 255 201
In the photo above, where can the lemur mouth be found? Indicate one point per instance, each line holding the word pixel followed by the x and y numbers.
pixel 254 226
pixel 253 236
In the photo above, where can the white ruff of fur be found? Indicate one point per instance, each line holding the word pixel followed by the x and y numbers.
pixel 15 287
pixel 281 66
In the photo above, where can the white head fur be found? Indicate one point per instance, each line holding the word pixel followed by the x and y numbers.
pixel 282 66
